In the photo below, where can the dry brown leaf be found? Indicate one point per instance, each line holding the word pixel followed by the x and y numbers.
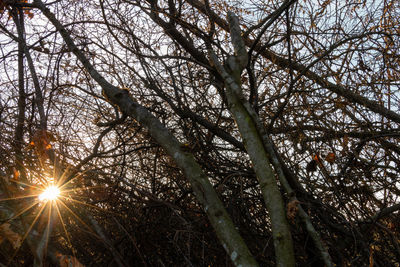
pixel 41 142
pixel 14 238
pixel 68 261
pixel 330 157
pixel 16 174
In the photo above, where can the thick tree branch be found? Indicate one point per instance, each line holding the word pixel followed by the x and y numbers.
pixel 253 143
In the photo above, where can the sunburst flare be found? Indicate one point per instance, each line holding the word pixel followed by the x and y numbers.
pixel 51 192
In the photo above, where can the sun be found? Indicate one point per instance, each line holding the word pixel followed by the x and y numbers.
pixel 50 193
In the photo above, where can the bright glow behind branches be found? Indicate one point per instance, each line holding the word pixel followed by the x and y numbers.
pixel 50 193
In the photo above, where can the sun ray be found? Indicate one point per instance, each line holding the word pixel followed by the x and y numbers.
pixel 83 188
pixel 78 218
pixel 62 184
pixel 49 226
pixel 65 229
pixel 65 175
pixel 89 205
pixel 27 232
pixel 19 197
pixel 27 185
pixel 22 211
pixel 42 245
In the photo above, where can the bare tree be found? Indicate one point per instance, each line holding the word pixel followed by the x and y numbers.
pixel 177 130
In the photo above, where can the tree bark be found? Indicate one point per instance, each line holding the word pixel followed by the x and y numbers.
pixel 252 139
